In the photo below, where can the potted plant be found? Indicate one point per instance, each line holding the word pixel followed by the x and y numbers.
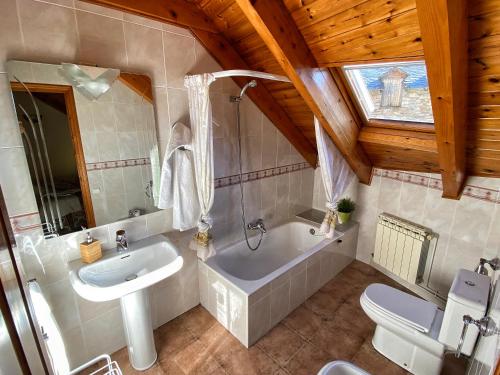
pixel 345 207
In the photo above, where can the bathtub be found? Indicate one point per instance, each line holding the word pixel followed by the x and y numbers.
pixel 249 292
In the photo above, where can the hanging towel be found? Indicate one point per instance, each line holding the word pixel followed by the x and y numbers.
pixel 177 181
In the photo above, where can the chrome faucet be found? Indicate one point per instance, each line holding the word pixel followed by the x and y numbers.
pixel 121 241
pixel 257 225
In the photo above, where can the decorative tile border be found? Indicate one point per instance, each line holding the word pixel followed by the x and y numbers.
pixel 117 164
pixel 477 192
pixel 258 175
pixel 25 222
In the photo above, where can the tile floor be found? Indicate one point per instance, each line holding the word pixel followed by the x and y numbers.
pixel 330 325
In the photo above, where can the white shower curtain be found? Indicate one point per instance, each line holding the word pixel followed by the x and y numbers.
pixel 200 112
pixel 335 173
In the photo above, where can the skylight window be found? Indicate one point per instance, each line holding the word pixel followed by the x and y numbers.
pixel 394 91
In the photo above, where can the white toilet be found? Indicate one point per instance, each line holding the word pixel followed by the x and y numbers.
pixel 414 333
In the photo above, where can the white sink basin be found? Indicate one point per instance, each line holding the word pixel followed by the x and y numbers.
pixel 145 263
pixel 126 276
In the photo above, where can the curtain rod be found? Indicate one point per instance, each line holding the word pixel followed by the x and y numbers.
pixel 250 73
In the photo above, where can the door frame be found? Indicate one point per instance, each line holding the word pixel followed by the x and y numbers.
pixel 74 129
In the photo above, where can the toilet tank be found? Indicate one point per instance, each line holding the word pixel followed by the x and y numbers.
pixel 468 296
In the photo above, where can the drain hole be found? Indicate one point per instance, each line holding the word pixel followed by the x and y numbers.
pixel 131 277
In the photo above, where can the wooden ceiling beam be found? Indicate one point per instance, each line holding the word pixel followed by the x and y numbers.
pixel 276 27
pixel 443 25
pixel 177 12
pixel 228 58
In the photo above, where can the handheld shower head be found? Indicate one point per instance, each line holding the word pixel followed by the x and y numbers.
pixel 251 84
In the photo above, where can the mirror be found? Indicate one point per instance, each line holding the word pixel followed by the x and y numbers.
pixel 90 142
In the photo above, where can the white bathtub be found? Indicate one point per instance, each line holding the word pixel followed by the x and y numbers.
pixel 282 248
pixel 251 291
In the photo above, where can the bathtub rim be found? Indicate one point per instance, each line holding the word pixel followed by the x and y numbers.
pixel 248 287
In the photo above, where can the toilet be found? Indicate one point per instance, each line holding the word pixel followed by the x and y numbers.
pixel 415 333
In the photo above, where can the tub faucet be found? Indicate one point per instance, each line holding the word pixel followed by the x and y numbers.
pixel 257 225
pixel 121 241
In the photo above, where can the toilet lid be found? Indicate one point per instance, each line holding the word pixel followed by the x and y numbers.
pixel 408 309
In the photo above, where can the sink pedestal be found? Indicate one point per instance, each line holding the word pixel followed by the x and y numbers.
pixel 136 315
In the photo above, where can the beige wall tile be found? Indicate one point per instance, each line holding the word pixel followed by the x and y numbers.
pixel 49 32
pixel 145 52
pixel 180 58
pixel 11 41
pixel 102 41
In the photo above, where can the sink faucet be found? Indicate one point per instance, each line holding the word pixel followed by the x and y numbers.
pixel 257 225
pixel 121 241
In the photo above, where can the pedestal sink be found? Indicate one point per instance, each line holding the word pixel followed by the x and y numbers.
pixel 127 275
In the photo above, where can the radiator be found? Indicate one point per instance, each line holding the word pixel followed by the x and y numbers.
pixel 402 247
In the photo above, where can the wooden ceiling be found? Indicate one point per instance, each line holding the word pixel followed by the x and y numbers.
pixel 308 40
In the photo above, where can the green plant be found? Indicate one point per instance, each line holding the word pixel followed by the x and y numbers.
pixel 346 205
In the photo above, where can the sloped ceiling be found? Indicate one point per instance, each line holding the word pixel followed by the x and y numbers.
pixel 340 32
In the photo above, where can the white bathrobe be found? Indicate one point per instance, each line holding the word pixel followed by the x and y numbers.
pixel 177 183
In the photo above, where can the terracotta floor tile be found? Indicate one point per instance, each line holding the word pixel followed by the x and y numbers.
pixel 198 320
pixel 323 304
pixel 352 278
pixel 172 337
pixel 196 358
pixel 338 341
pixel 251 361
pixel 280 344
pixel 337 290
pixel 354 318
pixel 303 321
pixel 307 361
pixel 363 268
pixel 169 366
pixel 369 359
pixel 280 371
pixel 219 342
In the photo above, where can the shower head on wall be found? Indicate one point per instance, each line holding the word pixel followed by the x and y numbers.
pixel 251 84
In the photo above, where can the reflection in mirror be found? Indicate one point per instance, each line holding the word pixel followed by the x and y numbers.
pixel 91 161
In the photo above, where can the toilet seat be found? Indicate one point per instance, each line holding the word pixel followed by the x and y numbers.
pixel 411 311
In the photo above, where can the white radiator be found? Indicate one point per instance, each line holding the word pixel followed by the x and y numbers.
pixel 402 247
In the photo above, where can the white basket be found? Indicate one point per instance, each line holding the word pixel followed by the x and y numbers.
pixel 110 368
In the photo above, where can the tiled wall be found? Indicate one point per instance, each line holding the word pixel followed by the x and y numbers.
pixel 73 31
pixel 272 196
pixel 468 228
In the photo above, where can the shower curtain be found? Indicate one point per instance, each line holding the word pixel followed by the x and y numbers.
pixel 200 113
pixel 335 173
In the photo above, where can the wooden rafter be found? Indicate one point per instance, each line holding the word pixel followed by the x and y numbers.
pixel 272 21
pixel 178 12
pixel 443 25
pixel 228 58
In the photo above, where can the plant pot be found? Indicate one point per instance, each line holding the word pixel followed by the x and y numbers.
pixel 344 217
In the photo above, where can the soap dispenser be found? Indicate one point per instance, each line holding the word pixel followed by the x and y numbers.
pixel 90 249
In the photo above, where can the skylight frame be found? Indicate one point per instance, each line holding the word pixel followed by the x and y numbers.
pixel 362 99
